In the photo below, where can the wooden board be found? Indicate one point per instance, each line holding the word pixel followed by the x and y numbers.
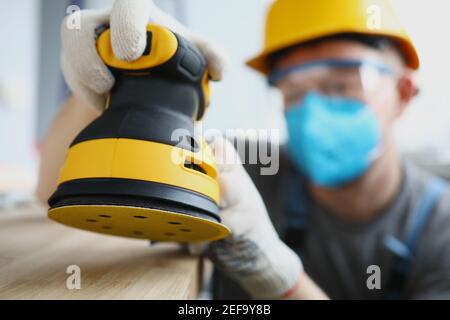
pixel 36 252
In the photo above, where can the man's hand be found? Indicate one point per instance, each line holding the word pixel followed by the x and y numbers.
pixel 86 74
pixel 253 255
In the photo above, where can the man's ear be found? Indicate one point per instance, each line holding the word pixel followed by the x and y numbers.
pixel 407 89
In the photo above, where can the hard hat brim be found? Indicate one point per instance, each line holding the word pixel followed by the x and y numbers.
pixel 262 63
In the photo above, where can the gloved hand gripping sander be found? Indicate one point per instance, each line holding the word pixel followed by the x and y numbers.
pixel 126 174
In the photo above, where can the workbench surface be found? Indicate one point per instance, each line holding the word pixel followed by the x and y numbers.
pixel 35 254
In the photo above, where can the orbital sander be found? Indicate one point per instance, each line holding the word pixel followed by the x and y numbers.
pixel 125 174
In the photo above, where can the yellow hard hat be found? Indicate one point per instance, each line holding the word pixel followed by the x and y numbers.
pixel 292 22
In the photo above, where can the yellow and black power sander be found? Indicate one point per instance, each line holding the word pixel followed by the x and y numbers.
pixel 124 174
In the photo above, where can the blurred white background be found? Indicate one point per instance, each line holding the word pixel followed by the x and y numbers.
pixel 18 91
pixel 31 87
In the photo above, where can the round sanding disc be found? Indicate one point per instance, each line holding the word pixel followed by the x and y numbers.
pixel 140 223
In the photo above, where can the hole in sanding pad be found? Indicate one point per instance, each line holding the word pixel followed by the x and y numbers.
pixel 138 233
pixel 186 230
pixel 174 222
pixel 140 217
pixel 104 216
pixel 107 227
pixel 91 220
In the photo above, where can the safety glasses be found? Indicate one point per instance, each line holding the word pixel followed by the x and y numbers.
pixel 355 79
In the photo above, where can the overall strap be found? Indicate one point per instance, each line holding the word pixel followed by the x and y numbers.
pixel 405 251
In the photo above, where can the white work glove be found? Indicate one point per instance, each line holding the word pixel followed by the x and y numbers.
pixel 253 255
pixel 86 74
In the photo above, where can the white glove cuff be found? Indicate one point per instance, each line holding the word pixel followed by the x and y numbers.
pixel 282 275
pixel 266 273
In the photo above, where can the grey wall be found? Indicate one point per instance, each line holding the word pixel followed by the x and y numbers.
pixel 50 84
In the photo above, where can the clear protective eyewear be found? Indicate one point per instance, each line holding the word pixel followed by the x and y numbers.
pixel 354 79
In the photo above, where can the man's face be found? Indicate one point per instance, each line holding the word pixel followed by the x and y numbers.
pixel 387 95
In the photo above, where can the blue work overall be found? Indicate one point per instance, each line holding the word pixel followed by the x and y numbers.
pixel 403 249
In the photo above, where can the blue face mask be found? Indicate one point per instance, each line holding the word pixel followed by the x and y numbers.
pixel 333 140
